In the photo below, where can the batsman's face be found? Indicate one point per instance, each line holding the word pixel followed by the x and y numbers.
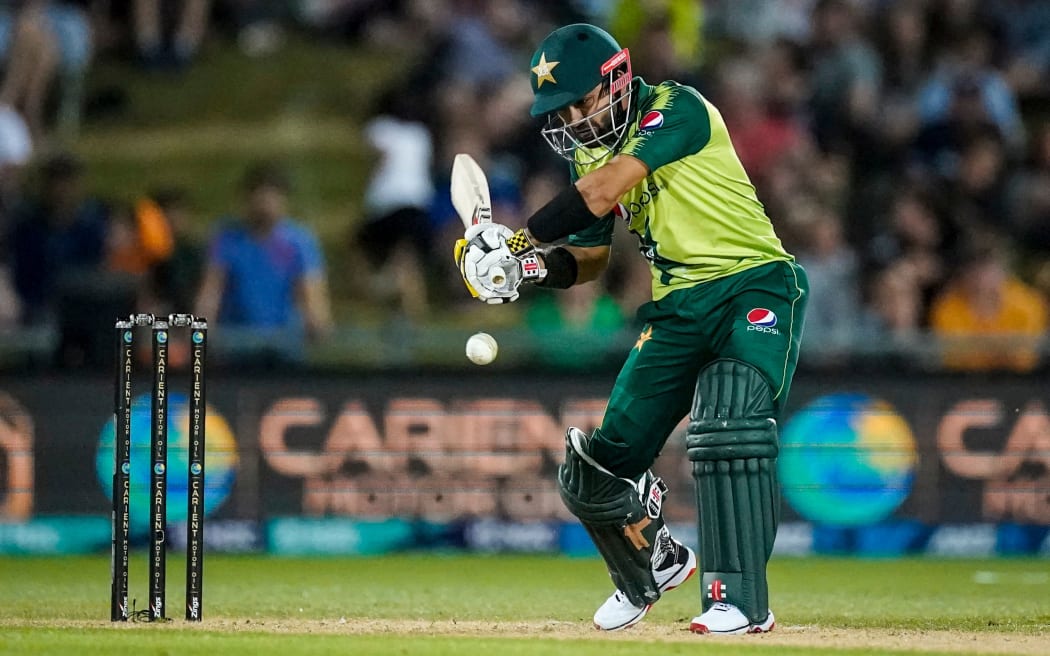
pixel 589 129
pixel 589 117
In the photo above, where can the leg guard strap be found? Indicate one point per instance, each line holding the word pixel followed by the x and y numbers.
pixel 623 517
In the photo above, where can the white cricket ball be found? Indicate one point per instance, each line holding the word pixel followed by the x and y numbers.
pixel 482 348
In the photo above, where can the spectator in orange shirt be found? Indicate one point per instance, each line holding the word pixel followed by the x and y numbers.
pixel 139 238
pixel 987 318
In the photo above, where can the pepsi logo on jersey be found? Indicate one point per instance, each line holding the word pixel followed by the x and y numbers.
pixel 651 121
pixel 762 320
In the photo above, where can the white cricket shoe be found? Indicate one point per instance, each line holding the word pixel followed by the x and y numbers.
pixel 618 613
pixel 726 619
pixel 673 564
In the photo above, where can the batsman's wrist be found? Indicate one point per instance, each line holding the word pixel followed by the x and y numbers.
pixel 532 267
pixel 520 244
pixel 560 269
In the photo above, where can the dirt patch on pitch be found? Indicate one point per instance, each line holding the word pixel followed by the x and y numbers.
pixel 959 642
pixel 794 636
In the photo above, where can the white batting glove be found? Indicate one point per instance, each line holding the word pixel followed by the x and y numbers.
pixel 489 271
pixel 495 260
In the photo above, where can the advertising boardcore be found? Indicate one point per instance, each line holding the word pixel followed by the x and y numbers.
pixel 854 453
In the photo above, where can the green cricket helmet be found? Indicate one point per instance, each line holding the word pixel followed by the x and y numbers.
pixel 569 64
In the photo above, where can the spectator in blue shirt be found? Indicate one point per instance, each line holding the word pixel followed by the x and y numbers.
pixel 265 273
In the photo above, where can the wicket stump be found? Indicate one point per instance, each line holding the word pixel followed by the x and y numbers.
pixel 158 490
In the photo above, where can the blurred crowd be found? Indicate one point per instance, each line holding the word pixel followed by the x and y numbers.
pixel 901 147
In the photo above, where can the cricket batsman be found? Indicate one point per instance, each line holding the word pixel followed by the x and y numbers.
pixel 720 339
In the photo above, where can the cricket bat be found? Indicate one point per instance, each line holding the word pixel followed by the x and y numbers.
pixel 470 191
pixel 470 196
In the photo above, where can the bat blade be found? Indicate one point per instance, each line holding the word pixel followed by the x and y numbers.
pixel 470 191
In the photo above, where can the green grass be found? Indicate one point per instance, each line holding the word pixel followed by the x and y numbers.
pixel 281 645
pixel 104 643
pixel 265 605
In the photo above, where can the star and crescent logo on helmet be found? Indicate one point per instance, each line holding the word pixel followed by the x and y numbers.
pixel 543 70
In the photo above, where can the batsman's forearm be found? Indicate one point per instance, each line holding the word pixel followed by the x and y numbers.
pixel 592 197
pixel 566 214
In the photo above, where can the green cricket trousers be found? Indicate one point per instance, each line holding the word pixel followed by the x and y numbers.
pixel 755 316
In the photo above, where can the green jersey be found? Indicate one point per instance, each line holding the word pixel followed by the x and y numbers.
pixel 696 214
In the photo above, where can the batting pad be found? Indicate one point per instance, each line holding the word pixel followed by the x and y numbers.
pixel 732 442
pixel 622 517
